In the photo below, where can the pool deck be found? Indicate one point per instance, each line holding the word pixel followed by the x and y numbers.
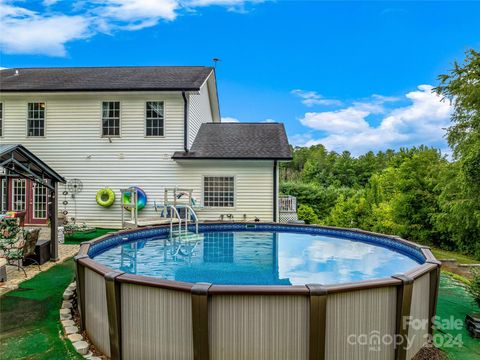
pixel 16 276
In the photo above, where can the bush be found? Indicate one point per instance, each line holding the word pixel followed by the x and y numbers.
pixel 474 286
pixel 307 214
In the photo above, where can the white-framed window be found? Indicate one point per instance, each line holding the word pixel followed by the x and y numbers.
pixel 36 119
pixel 19 194
pixel 3 194
pixel 39 202
pixel 1 119
pixel 111 118
pixel 154 118
pixel 219 191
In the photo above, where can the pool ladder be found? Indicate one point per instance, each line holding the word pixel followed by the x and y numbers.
pixel 175 215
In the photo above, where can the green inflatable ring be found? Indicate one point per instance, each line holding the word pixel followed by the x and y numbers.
pixel 105 197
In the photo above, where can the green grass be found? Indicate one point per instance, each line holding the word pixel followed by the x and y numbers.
pixel 461 258
pixel 29 317
pixel 454 301
pixel 79 237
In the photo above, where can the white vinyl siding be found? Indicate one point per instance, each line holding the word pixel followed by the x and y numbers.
pixel 199 112
pixel 74 149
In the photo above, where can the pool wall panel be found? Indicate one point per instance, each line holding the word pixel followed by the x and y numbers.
pixel 258 327
pixel 418 329
pixel 367 313
pixel 156 323
pixel 96 317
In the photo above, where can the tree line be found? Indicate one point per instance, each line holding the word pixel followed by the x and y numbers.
pixel 416 193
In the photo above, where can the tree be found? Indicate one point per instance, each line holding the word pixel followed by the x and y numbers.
pixel 460 198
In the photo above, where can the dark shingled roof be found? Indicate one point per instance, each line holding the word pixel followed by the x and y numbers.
pixel 239 141
pixel 137 78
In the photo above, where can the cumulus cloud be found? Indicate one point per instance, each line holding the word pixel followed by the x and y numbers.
pixel 47 31
pixel 421 122
pixel 26 32
pixel 311 98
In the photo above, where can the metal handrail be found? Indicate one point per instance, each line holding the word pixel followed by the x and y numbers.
pixel 195 217
pixel 177 215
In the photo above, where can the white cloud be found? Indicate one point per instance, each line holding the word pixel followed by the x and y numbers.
pixel 341 121
pixel 46 32
pixel 421 122
pixel 50 2
pixel 138 14
pixel 26 32
pixel 269 121
pixel 230 120
pixel 311 98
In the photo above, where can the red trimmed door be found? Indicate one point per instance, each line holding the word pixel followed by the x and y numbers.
pixel 26 195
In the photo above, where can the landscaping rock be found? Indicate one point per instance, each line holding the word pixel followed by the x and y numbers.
pixel 88 355
pixel 67 295
pixel 81 347
pixel 75 337
pixel 71 330
pixel 72 286
pixel 66 323
pixel 95 358
pixel 65 314
pixel 67 304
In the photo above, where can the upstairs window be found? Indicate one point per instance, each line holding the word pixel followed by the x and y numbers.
pixel 110 118
pixel 36 119
pixel 218 191
pixel 1 119
pixel 154 122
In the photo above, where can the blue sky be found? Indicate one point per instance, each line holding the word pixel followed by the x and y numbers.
pixel 351 75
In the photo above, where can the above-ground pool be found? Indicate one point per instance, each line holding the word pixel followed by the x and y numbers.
pixel 250 257
pixel 256 291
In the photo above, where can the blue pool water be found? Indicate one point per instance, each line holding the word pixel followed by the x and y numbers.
pixel 257 258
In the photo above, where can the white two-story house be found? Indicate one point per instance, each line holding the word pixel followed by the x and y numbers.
pixel 150 127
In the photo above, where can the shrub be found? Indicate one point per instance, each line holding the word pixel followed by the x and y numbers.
pixel 474 286
pixel 307 214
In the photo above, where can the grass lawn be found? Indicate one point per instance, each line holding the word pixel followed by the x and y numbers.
pixel 29 317
pixel 454 301
pixel 461 258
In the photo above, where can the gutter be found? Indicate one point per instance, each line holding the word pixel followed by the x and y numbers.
pixel 185 121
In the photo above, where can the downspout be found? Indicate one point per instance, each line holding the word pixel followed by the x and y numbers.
pixel 275 200
pixel 185 121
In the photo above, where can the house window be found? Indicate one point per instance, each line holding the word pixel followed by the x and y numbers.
pixel 218 191
pixel 36 119
pixel 1 119
pixel 154 125
pixel 19 194
pixel 3 194
pixel 39 202
pixel 110 118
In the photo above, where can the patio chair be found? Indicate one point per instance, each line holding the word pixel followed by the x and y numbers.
pixel 23 250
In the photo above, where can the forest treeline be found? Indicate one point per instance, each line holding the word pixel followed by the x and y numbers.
pixel 414 193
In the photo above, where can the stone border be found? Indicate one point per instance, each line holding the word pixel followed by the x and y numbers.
pixel 70 327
